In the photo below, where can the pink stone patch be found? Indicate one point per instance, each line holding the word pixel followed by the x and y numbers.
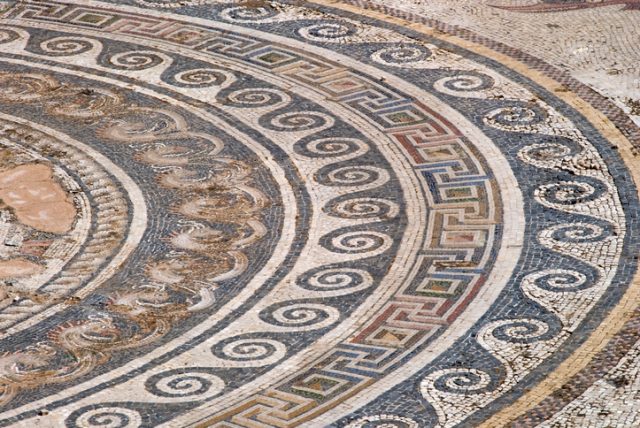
pixel 17 268
pixel 36 198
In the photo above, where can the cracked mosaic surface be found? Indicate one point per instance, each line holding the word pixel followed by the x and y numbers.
pixel 273 214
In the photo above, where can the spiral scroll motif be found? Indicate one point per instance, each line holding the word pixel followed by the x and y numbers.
pixel 578 232
pixel 545 155
pixel 459 381
pixel 525 330
pixel 558 280
pixel 323 194
pixel 184 385
pixel 105 417
pixel 300 316
pixel 360 176
pixel 364 208
pixel 249 349
pixel 328 32
pixel 568 192
pixel 200 78
pixel 67 46
pixel 299 121
pixel 247 14
pixel 332 148
pixel 466 82
pixel 401 56
pixel 517 118
pixel 135 60
pixel 259 97
pixel 340 280
pixel 361 242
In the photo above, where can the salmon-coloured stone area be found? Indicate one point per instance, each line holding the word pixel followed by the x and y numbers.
pixel 36 198
pixel 16 268
pixel 319 213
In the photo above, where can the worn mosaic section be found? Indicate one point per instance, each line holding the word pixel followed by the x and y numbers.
pixel 270 214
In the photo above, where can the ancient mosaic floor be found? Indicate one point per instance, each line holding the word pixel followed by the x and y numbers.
pixel 245 213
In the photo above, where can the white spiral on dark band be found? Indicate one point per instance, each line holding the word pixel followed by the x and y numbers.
pixel 135 60
pixel 357 175
pixel 361 242
pixel 328 32
pixel 336 281
pixel 300 316
pixel 364 208
pixel 334 147
pixel 559 280
pixel 108 417
pixel 402 56
pixel 464 85
pixel 519 330
pixel 200 77
pixel 566 192
pixel 256 97
pixel 544 155
pixel 575 233
pixel 457 381
pixel 245 14
pixel 300 121
pixel 65 46
pixel 184 385
pixel 517 118
pixel 251 349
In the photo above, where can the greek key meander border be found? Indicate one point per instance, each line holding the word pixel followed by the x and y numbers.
pixel 593 358
pixel 614 113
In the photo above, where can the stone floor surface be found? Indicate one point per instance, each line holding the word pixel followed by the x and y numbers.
pixel 327 213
